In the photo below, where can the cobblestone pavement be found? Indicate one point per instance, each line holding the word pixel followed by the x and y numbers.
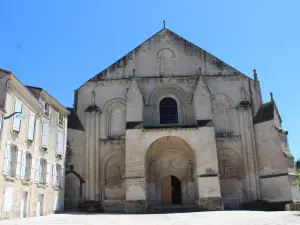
pixel 199 218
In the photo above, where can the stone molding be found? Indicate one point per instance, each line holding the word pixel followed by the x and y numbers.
pixel 155 129
pixel 188 78
pixel 226 138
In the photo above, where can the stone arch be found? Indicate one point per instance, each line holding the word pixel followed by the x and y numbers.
pixel 110 154
pixel 223 114
pixel 73 183
pixel 171 91
pixel 115 118
pixel 92 108
pixel 230 163
pixel 231 177
pixel 170 156
pixel 112 171
pixel 166 60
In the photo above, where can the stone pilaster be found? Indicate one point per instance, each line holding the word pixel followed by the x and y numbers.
pixel 135 182
pixel 97 158
pixel 92 157
pixel 87 138
pixel 249 153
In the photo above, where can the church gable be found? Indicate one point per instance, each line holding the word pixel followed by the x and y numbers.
pixel 166 54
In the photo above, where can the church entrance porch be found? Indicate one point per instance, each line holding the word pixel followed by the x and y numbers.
pixel 154 154
pixel 171 191
pixel 170 172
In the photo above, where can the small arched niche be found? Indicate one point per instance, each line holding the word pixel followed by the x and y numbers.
pixel 115 118
pixel 223 114
pixel 166 59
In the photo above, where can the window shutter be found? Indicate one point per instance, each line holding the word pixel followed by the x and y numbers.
pixel 48 173
pixel 24 164
pixel 54 175
pixel 30 133
pixel 45 133
pixel 59 150
pixel 32 173
pixel 17 121
pixel 6 159
pixel 62 183
pixel 1 118
pixel 19 160
pixel 38 169
pixel 8 198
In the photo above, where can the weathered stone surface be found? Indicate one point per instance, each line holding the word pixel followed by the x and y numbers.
pixel 211 203
pixel 292 207
pixel 169 110
pixel 136 206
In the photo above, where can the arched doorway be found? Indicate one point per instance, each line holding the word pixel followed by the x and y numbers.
pixel 171 172
pixel 171 190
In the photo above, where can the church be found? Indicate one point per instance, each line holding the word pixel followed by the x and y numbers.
pixel 171 126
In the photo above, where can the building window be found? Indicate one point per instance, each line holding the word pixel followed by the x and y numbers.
pixel 42 171
pixel 168 111
pixel 60 119
pixel 45 134
pixel 31 126
pixel 26 165
pixel 46 109
pixel 17 120
pixel 60 144
pixel 10 161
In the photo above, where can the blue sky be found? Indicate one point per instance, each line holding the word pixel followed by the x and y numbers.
pixel 58 45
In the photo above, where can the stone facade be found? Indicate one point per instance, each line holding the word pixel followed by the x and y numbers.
pixel 32 151
pixel 170 124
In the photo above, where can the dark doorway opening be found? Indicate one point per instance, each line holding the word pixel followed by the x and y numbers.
pixel 168 111
pixel 176 190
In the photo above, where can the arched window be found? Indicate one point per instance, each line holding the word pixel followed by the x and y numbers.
pixel 168 111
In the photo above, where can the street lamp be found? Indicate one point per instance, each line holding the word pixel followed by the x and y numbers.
pixel 18 114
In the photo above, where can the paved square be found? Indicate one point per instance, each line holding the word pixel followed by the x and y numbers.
pixel 203 218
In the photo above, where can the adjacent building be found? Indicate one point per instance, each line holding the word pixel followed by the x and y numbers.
pixel 32 150
pixel 170 125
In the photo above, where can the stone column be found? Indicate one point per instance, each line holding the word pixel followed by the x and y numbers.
pixel 92 157
pixel 135 182
pixel 101 175
pixel 97 158
pixel 249 150
pixel 87 138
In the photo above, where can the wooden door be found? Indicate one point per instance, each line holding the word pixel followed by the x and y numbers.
pixel 166 191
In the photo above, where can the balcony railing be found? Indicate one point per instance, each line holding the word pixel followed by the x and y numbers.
pixel 41 180
pixel 11 172
pixel 27 175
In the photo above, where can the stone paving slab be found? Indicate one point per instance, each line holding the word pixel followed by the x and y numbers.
pixel 199 218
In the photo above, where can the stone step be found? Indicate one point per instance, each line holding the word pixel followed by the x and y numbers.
pixel 174 208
